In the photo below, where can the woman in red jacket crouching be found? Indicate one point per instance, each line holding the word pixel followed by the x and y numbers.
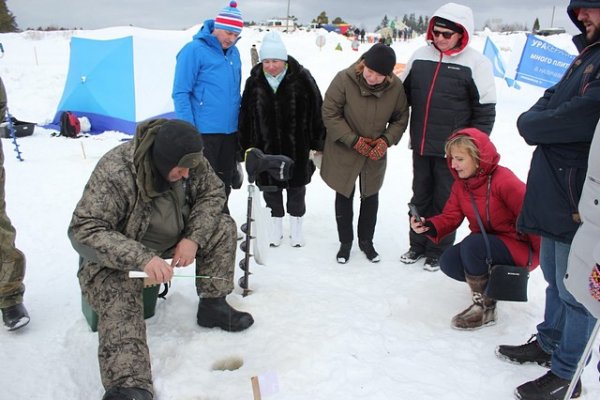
pixel 498 195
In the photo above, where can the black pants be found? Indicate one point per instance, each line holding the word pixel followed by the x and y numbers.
pixel 367 217
pixel 469 256
pixel 295 204
pixel 431 186
pixel 219 150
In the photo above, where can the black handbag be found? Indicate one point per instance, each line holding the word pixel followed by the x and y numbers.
pixel 506 282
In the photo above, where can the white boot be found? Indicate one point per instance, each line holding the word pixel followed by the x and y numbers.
pixel 296 236
pixel 276 232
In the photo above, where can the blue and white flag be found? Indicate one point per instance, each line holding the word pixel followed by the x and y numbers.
pixel 493 54
pixel 542 64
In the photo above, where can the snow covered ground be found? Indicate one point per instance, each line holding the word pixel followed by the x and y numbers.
pixel 324 330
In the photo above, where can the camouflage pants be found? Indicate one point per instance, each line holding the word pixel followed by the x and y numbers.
pixel 12 260
pixel 123 352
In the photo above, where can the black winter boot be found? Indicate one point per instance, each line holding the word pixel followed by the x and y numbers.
pixel 530 352
pixel 216 312
pixel 547 387
pixel 123 393
pixel 367 247
pixel 343 254
pixel 15 317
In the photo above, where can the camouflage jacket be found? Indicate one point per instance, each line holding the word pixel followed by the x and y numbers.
pixel 113 214
pixel 3 102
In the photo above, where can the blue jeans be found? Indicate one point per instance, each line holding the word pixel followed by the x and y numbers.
pixel 567 325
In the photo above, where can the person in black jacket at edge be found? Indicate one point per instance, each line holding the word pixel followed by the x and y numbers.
pixel 561 125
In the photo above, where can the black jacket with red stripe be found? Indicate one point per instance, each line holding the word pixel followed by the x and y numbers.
pixel 448 91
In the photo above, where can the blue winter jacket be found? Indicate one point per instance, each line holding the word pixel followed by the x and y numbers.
pixel 561 124
pixel 206 88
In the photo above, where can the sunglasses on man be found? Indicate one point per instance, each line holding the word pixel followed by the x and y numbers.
pixel 445 34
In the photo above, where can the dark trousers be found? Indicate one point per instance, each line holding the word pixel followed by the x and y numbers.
pixel 295 204
pixel 219 150
pixel 469 256
pixel 367 217
pixel 431 186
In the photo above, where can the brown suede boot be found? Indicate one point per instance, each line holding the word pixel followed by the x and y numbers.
pixel 483 310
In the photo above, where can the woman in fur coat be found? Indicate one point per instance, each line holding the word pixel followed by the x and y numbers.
pixel 498 195
pixel 281 114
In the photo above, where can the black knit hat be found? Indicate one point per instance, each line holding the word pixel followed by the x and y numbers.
pixel 177 144
pixel 446 23
pixel 380 58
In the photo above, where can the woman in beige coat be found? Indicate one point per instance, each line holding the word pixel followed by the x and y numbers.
pixel 365 111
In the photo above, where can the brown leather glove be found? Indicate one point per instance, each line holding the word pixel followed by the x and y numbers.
pixel 379 148
pixel 363 146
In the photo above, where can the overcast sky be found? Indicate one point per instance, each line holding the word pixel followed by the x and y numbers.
pixel 181 14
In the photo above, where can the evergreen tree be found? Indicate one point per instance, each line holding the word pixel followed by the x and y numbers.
pixel 412 21
pixel 536 25
pixel 7 19
pixel 420 25
pixel 322 18
pixel 385 21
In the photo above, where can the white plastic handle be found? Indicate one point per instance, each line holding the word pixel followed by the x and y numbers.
pixel 137 274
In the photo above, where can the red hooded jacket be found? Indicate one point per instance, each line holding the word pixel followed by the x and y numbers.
pixel 499 197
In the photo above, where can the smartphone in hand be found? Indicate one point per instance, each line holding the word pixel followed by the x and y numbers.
pixel 414 212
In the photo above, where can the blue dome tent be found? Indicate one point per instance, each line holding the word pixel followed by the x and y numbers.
pixel 119 82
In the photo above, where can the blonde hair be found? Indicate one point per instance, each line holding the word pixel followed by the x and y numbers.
pixel 466 142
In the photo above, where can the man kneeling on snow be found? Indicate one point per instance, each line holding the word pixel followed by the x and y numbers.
pixel 148 200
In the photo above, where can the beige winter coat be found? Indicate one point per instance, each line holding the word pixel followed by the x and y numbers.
pixel 351 108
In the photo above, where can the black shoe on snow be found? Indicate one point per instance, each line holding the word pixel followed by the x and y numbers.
pixel 530 352
pixel 216 312
pixel 547 387
pixel 367 247
pixel 411 257
pixel 15 317
pixel 343 254
pixel 432 264
pixel 123 393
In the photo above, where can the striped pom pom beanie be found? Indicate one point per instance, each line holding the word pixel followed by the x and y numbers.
pixel 230 19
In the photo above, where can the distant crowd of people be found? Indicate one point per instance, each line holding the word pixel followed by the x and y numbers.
pixel 164 195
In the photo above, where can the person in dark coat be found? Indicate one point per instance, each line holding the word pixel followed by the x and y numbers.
pixel 449 85
pixel 281 114
pixel 365 111
pixel 498 194
pixel 561 125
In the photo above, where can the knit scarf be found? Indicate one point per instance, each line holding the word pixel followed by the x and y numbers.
pixel 147 176
pixel 275 81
